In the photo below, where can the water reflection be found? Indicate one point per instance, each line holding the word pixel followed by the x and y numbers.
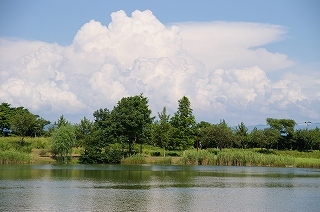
pixel 157 188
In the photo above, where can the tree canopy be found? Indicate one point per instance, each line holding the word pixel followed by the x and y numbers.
pixel 112 133
pixel 184 124
pixel 130 118
pixel 20 121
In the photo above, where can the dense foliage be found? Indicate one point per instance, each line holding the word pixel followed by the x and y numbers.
pixel 20 121
pixel 63 140
pixel 110 137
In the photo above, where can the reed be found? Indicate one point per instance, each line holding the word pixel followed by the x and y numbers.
pixel 307 162
pixel 164 161
pixel 238 157
pixel 14 157
pixel 200 157
pixel 134 159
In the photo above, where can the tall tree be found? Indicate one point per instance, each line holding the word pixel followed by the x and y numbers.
pixel 163 130
pixel 241 135
pixel 40 123
pixel 223 135
pixel 63 139
pixel 271 137
pixel 184 123
pixel 130 118
pixel 206 136
pixel 5 115
pixel 62 121
pixel 285 128
pixel 22 122
pixel 83 132
pixel 256 137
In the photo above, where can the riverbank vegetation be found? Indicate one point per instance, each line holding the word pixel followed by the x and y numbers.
pixel 128 134
pixel 38 150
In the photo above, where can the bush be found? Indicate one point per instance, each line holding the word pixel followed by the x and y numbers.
pixel 113 156
pixel 95 156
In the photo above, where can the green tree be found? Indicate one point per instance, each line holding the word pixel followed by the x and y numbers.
pixel 163 130
pixel 271 137
pixel 62 121
pixel 315 138
pixel 83 132
pixel 256 137
pixel 241 133
pixel 5 116
pixel 63 139
pixel 307 139
pixel 22 122
pixel 184 124
pixel 206 136
pixel 223 135
pixel 216 136
pixel 38 128
pixel 285 128
pixel 130 119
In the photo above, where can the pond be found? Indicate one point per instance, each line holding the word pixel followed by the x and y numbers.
pixel 157 188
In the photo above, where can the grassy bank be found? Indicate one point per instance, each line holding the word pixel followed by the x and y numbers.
pixel 232 157
pixel 37 150
pixel 251 157
pixel 32 150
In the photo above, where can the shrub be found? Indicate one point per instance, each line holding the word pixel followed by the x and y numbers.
pixel 113 156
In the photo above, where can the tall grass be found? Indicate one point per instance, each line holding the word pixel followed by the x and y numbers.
pixel 237 157
pixel 40 142
pixel 201 157
pixel 12 152
pixel 14 157
pixel 134 159
pixel 298 154
pixel 307 162
pixel 164 161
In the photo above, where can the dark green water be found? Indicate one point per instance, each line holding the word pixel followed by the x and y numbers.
pixel 157 188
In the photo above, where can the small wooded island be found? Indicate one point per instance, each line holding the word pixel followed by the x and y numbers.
pixel 129 134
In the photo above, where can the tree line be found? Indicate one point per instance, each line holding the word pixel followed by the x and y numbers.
pixel 130 122
pixel 20 121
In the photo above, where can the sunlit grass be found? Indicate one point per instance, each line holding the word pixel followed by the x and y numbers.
pixel 134 159
pixel 11 152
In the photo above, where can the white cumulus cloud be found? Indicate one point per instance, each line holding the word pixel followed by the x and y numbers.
pixel 222 67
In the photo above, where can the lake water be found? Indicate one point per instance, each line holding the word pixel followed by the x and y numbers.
pixel 157 188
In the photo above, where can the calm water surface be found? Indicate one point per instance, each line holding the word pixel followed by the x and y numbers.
pixel 157 188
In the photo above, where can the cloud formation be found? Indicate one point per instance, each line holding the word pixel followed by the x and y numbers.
pixel 221 66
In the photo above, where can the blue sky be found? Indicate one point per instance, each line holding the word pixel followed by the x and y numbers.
pixel 41 20
pixel 284 56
